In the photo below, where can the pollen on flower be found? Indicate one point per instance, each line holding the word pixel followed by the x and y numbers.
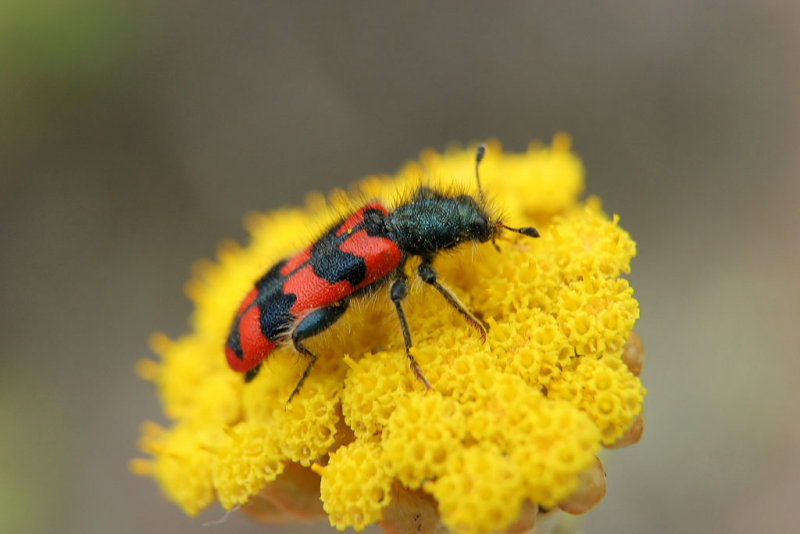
pixel 304 430
pixel 550 441
pixel 245 463
pixel 355 486
pixel 609 394
pixel 584 241
pixel 182 466
pixel 308 429
pixel 419 436
pixel 538 353
pixel 372 389
pixel 598 315
pixel 509 425
pixel 479 491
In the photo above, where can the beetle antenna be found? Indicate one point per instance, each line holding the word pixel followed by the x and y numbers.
pixel 529 231
pixel 478 157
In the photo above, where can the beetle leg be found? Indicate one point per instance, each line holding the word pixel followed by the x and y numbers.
pixel 251 374
pixel 428 275
pixel 312 324
pixel 398 293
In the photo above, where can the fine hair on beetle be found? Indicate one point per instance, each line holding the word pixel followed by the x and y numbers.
pixel 454 215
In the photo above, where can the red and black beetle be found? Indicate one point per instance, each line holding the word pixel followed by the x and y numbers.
pixel 303 295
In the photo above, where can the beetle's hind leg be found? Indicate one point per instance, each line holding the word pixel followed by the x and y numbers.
pixel 428 275
pixel 312 324
pixel 252 373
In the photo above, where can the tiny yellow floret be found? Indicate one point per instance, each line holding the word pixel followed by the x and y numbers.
pixel 355 486
pixel 480 491
pixel 245 463
pixel 509 424
pixel 421 432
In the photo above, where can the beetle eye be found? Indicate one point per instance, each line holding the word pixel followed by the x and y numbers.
pixel 478 227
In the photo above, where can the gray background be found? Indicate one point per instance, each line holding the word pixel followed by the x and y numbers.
pixel 134 137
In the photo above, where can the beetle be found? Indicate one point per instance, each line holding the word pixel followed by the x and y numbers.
pixel 305 294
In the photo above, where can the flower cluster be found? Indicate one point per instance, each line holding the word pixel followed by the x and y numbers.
pixel 509 427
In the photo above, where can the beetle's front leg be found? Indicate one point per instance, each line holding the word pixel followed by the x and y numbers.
pixel 428 275
pixel 399 291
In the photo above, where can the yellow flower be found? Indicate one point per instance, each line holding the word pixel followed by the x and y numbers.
pixel 509 425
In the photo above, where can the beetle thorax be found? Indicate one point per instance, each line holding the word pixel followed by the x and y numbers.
pixel 428 225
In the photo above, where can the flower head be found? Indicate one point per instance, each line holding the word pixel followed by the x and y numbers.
pixel 509 424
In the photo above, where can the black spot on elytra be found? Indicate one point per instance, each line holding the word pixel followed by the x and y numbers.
pixel 234 342
pixel 274 314
pixel 272 278
pixel 375 223
pixel 273 308
pixel 273 304
pixel 330 263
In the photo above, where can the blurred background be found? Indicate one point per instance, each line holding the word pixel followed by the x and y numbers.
pixel 134 136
